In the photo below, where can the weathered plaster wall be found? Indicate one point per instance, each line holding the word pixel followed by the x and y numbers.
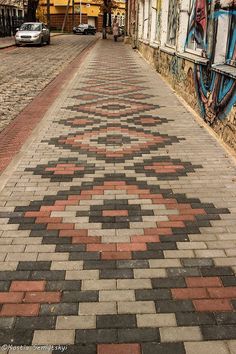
pixel 190 40
pixel 206 92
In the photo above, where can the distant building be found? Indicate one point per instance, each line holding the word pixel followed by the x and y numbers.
pixel 192 43
pixel 11 16
pixel 91 13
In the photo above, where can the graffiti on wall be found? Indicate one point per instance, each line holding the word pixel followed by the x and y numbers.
pixel 216 91
pixel 197 28
pixel 173 18
pixel 216 95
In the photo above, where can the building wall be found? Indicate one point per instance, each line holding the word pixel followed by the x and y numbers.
pixel 90 10
pixel 57 21
pixel 11 16
pixel 192 43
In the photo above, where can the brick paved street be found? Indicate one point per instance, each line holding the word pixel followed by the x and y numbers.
pixel 25 71
pixel 118 225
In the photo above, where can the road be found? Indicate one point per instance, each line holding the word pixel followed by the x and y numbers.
pixel 25 71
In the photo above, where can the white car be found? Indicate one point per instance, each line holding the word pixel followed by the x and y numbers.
pixel 32 33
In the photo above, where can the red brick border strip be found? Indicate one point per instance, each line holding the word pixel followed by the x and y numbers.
pixel 15 134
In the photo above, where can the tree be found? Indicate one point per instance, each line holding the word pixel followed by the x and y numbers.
pixel 31 10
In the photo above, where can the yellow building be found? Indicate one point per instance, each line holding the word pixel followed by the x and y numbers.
pixel 90 13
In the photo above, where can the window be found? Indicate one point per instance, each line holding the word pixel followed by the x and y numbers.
pixel 172 26
pixel 197 26
pixel 149 18
pixel 225 37
pixel 158 21
pixel 231 50
pixel 140 18
pixel 146 20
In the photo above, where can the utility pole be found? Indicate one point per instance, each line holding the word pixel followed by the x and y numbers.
pixel 73 14
pixel 48 14
pixel 66 14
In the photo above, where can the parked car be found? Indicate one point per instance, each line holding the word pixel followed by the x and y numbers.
pixel 84 29
pixel 121 31
pixel 32 33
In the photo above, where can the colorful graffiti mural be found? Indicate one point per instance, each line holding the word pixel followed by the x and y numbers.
pixel 216 91
pixel 197 28
pixel 216 95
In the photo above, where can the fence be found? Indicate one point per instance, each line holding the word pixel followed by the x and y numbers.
pixel 9 24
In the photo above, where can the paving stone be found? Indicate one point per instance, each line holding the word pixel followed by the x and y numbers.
pixel 16 337
pixel 163 348
pixel 175 334
pixel 61 336
pixel 116 274
pixel 82 349
pixel 35 322
pixel 119 348
pixel 156 320
pixel 63 285
pixel 163 306
pixel 59 309
pixel 96 336
pixel 101 284
pixel 152 294
pixel 134 335
pixel 232 346
pixel 99 308
pixel 134 284
pixel 76 322
pixel 206 347
pixel 81 274
pixel 6 323
pixel 221 332
pixel 136 307
pixel 195 319
pixel 116 295
pixel 116 321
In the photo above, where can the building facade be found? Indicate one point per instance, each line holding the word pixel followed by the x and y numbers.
pixel 90 9
pixel 192 43
pixel 11 16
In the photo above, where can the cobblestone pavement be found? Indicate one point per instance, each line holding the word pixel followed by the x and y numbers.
pixel 118 226
pixel 25 71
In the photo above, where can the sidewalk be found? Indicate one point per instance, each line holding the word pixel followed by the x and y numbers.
pixel 118 224
pixel 6 42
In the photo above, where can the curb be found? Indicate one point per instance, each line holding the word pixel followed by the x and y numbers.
pixel 4 46
pixel 16 134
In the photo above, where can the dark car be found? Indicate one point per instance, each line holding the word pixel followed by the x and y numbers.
pixel 84 29
pixel 121 31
